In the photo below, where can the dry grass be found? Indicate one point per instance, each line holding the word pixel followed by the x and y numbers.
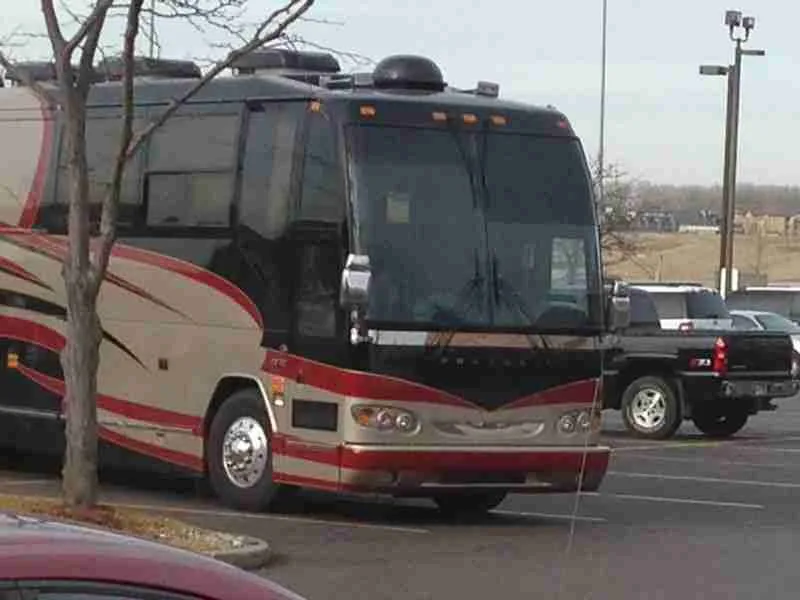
pixel 127 522
pixel 695 257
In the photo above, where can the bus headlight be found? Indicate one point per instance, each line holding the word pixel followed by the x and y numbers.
pixel 580 421
pixel 567 424
pixel 385 418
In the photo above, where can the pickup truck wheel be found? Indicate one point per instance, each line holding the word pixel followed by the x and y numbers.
pixel 651 409
pixel 720 422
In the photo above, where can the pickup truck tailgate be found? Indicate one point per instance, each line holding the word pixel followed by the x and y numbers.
pixel 759 352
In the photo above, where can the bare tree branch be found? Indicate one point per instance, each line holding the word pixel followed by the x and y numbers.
pixel 54 30
pixel 111 200
pixel 271 29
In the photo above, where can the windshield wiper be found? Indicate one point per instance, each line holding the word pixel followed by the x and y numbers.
pixel 514 300
pixel 465 300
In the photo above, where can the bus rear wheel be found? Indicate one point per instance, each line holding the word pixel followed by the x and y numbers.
pixel 468 504
pixel 239 455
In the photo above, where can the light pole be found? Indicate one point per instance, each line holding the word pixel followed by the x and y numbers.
pixel 739 29
pixel 602 149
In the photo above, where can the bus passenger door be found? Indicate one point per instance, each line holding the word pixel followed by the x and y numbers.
pixel 318 234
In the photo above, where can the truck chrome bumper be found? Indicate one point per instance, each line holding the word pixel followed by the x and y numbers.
pixel 759 389
pixel 423 471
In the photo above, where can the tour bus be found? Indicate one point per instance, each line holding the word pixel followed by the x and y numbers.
pixel 369 283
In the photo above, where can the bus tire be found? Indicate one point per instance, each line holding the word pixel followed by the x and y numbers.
pixel 239 454
pixel 468 504
pixel 651 408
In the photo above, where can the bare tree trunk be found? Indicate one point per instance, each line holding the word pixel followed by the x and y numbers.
pixel 80 358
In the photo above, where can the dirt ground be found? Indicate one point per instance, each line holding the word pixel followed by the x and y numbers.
pixel 695 257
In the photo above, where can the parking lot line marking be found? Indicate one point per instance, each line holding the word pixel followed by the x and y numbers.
pixel 769 449
pixel 706 458
pixel 540 515
pixel 24 482
pixel 666 446
pixel 775 484
pixel 260 516
pixel 676 500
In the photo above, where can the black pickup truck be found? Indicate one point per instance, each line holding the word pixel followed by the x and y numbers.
pixel 717 379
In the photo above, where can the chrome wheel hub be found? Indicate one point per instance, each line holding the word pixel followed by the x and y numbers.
pixel 649 409
pixel 245 452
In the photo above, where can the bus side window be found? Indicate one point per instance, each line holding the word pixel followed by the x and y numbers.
pixel 191 171
pixel 267 167
pixel 322 196
pixel 103 130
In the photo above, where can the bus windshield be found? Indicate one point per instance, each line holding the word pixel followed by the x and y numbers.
pixel 488 231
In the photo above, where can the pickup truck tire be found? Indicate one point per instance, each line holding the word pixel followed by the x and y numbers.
pixel 651 408
pixel 720 422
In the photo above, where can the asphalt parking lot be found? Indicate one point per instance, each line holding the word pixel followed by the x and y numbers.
pixel 684 518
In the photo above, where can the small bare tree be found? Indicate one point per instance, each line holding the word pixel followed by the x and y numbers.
pixel 612 214
pixel 87 259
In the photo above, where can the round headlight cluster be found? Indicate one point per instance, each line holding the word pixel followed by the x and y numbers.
pixel 385 418
pixel 581 421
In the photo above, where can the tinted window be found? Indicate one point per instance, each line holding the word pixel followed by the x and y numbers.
pixel 267 168
pixel 706 305
pixel 196 142
pixel 417 222
pixel 191 167
pixel 743 323
pixel 189 199
pixel 669 305
pixel 322 197
pixel 643 309
pixel 773 322
pixel 536 180
pixel 772 301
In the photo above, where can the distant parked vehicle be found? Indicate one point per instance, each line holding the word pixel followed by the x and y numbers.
pixel 688 306
pixel 659 377
pixel 782 300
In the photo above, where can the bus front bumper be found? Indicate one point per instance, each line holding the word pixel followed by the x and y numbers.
pixel 424 471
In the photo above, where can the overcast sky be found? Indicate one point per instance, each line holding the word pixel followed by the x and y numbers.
pixel 664 121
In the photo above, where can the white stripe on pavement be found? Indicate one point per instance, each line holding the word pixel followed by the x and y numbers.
pixel 266 517
pixel 676 500
pixel 775 484
pixel 540 515
pixel 706 458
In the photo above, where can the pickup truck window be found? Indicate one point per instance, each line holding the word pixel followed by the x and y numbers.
pixel 706 305
pixel 643 309
pixel 743 323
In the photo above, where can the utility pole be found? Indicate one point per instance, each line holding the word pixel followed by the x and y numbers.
pixel 602 149
pixel 739 29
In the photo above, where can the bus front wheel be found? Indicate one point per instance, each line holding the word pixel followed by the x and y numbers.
pixel 239 455
pixel 468 504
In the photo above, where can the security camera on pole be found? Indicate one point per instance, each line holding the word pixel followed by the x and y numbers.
pixel 739 29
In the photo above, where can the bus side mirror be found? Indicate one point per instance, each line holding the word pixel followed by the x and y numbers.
pixel 619 307
pixel 356 275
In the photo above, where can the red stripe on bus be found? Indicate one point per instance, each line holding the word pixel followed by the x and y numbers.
pixel 181 459
pixel 31 209
pixel 193 272
pixel 29 331
pixel 292 448
pixel 146 414
pixel 472 460
pixel 15 270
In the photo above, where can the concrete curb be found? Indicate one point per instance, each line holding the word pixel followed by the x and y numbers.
pixel 254 554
